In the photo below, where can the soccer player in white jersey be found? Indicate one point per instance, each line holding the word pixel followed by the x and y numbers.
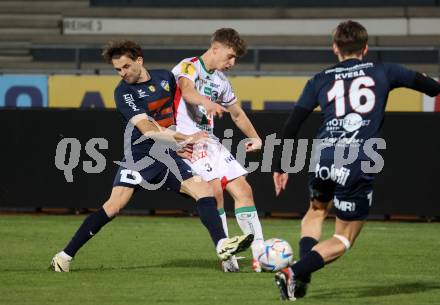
pixel 206 92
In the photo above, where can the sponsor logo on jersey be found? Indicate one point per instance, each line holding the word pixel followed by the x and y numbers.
pixel 165 85
pixel 188 69
pixel 204 127
pixel 152 88
pixel 214 96
pixel 342 139
pixel 129 100
pixel 142 93
pixel 344 131
pixel 347 69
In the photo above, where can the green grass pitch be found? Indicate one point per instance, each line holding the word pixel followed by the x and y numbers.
pixel 165 260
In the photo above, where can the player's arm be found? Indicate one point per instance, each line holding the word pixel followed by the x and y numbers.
pixel 306 103
pixel 400 76
pixel 151 129
pixel 242 121
pixel 426 84
pixel 191 96
pixel 290 131
pixel 131 109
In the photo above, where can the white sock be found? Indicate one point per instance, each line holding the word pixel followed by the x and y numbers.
pixel 247 219
pixel 222 214
pixel 64 255
pixel 220 243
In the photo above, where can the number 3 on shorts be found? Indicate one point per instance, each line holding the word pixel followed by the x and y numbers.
pixel 208 167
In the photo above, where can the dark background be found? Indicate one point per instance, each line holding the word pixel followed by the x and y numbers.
pixel 408 184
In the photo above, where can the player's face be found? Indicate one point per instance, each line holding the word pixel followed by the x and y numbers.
pixel 130 70
pixel 225 57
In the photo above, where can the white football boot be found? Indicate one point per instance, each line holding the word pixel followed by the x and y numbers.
pixel 233 245
pixel 60 264
pixel 230 265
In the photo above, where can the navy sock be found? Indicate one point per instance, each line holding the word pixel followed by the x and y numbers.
pixel 311 262
pixel 91 225
pixel 207 209
pixel 306 244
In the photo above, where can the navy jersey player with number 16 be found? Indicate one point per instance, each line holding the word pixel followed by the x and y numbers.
pixel 144 98
pixel 352 96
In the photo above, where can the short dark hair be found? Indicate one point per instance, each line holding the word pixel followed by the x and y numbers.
pixel 230 37
pixel 116 49
pixel 350 37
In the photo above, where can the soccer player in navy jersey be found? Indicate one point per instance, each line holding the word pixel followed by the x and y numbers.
pixel 352 96
pixel 144 99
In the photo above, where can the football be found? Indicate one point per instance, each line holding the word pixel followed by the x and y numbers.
pixel 277 254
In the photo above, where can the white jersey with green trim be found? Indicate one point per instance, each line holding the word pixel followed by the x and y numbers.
pixel 213 84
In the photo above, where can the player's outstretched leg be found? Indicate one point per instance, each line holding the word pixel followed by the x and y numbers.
pixel 207 208
pixel 231 264
pixel 247 216
pixel 286 280
pixel 323 253
pixel 90 227
pixel 311 229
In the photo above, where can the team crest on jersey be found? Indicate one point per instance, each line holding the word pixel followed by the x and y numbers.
pixel 188 68
pixel 214 96
pixel 165 85
pixel 152 88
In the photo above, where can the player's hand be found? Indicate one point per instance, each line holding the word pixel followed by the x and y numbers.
pixel 197 137
pixel 280 181
pixel 185 154
pixel 254 144
pixel 213 108
pixel 186 146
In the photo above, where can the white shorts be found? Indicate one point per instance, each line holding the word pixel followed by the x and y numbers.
pixel 211 160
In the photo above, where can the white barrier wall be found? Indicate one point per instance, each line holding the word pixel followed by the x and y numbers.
pixel 323 27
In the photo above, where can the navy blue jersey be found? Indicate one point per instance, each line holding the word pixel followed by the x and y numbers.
pixel 154 97
pixel 352 96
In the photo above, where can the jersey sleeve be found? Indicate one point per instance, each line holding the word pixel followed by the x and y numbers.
pixel 308 99
pixel 399 76
pixel 126 102
pixel 172 82
pixel 185 69
pixel 228 97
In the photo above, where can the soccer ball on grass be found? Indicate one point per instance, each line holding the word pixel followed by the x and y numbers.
pixel 277 254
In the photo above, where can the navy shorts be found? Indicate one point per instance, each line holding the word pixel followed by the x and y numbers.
pixel 348 186
pixel 156 175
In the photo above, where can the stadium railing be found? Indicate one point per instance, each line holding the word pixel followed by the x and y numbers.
pixel 260 60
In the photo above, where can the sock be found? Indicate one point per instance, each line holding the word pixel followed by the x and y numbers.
pixel 65 256
pixel 306 244
pixel 207 209
pixel 222 214
pixel 247 219
pixel 91 225
pixel 311 262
